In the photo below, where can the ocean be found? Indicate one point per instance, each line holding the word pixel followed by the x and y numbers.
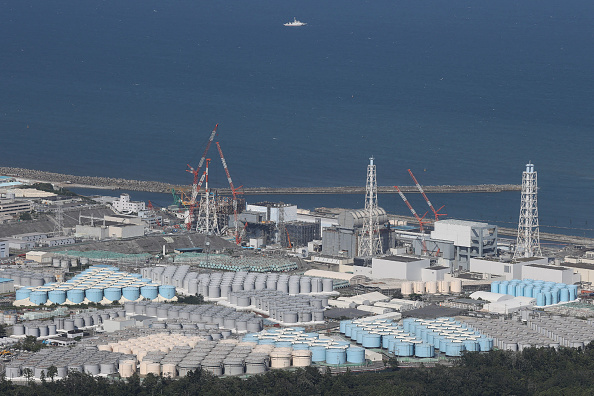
pixel 460 92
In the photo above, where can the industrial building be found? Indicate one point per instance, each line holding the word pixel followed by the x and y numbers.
pixel 9 208
pixel 470 238
pixel 508 269
pixel 4 248
pixel 398 267
pixel 125 205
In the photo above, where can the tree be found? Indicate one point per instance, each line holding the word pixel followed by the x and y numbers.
pixel 28 373
pixel 397 294
pixel 52 371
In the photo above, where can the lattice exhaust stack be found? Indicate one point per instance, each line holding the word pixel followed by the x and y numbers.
pixel 370 243
pixel 528 243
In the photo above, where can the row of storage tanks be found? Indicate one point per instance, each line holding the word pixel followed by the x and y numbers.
pixel 67 262
pixel 281 307
pixel 321 349
pixel 416 337
pixel 27 278
pixel 224 317
pixel 546 293
pixel 74 322
pixel 98 284
pixel 431 287
pixel 219 284
pixel 543 331
pixel 228 263
pixel 82 359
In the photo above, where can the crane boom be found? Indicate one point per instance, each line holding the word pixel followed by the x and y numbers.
pixel 435 212
pixel 419 219
pixel 196 186
pixel 233 192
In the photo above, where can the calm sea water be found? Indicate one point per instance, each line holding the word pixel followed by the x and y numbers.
pixel 460 92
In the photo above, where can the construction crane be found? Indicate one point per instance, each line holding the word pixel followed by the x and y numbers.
pixel 419 219
pixel 233 192
pixel 435 212
pixel 153 211
pixel 290 245
pixel 197 184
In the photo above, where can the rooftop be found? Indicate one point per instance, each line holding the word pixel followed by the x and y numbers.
pixel 550 267
pixel 401 259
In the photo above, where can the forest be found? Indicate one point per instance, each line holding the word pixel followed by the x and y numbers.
pixel 543 371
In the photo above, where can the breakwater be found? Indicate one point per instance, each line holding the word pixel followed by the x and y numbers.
pixel 111 183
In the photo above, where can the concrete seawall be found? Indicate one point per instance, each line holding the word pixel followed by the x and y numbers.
pixel 160 187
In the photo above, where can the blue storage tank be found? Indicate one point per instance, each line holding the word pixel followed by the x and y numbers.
pixel 355 355
pixel 131 293
pixel 386 339
pixel 548 298
pixel 520 289
pixel 372 340
pixel 57 296
pixel 336 356
pixel 392 345
pixel 443 344
pixel 94 295
pixel 250 337
pixel 503 287
pixel 298 346
pixel 283 344
pixel 511 289
pixel 167 291
pixel 572 292
pixel 112 293
pixel 76 296
pixel 555 296
pixel 454 349
pixel 38 297
pixel 564 295
pixel 348 328
pixel 424 350
pixel 471 346
pixel 343 324
pixel 318 353
pixel 360 335
pixel 486 344
pixel 540 300
pixel 354 332
pixel 149 292
pixel 536 290
pixel 403 348
pixel 495 287
pixel 266 341
pixel 24 292
pixel 436 341
pixel 528 291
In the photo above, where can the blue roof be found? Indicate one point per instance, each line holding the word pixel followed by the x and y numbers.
pixel 10 184
pixel 2 280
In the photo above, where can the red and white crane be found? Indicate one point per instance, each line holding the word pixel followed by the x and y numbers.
pixel 198 184
pixel 435 212
pixel 419 219
pixel 233 192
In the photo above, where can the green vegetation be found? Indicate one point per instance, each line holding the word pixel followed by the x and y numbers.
pixel 196 300
pixel 531 372
pixel 25 216
pixel 30 343
pixel 48 187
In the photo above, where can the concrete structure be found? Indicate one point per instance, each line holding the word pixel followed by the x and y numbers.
pixel 58 241
pixel 39 256
pixel 31 236
pixel 6 286
pixel 584 270
pixel 511 269
pixel 90 231
pixel 125 230
pixel 550 273
pixel 10 208
pixel 435 273
pixel 339 241
pixel 399 267
pixel 270 211
pixel 471 239
pixel 351 278
pixel 19 244
pixel 125 205
pixel 4 248
pixel 117 324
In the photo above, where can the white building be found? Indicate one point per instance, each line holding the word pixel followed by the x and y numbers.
pixel 550 273
pixel 272 211
pixel 58 241
pixel 31 236
pixel 511 269
pixel 19 244
pixel 124 205
pixel 435 273
pixel 398 267
pixel 471 239
pixel 10 207
pixel 126 230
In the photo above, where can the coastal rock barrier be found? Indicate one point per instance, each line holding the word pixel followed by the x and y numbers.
pixel 161 187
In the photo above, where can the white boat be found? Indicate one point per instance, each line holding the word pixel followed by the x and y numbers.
pixel 295 23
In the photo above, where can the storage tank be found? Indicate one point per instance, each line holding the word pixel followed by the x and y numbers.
pixel 150 292
pixel 454 349
pixel 406 288
pixel 94 295
pixel 431 287
pixel 371 340
pixel 18 329
pixel 167 291
pixel 57 296
pixel 24 293
pixel 495 287
pixel 444 286
pixel 76 296
pixel 456 286
pixel 327 285
pixel 419 287
pixel 318 353
pixel 131 293
pixel 68 324
pixel 112 293
pixel 355 355
pixel 336 356
pixel 402 348
pixel 301 358
pixel 38 297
